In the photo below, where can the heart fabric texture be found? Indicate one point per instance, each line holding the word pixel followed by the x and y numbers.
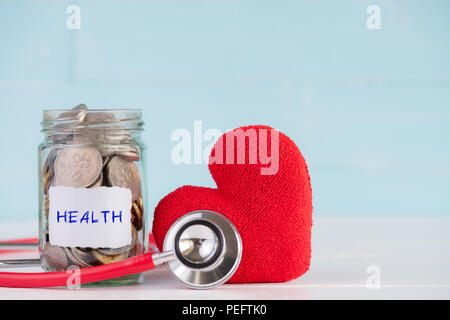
pixel 263 187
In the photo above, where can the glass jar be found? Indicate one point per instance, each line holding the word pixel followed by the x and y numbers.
pixel 91 189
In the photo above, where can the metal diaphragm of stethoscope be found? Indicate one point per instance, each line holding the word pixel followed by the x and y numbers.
pixel 202 250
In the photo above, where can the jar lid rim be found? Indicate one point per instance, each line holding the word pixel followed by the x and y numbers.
pixel 70 119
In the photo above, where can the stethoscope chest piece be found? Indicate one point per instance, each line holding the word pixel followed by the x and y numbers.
pixel 207 246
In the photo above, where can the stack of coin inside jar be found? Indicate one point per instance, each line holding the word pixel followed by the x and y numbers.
pixel 91 149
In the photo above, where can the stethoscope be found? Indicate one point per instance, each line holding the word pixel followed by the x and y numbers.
pixel 202 250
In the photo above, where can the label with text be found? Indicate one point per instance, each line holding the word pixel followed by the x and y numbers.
pixel 90 217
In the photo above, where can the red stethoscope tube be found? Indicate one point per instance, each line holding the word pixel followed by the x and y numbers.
pixel 129 266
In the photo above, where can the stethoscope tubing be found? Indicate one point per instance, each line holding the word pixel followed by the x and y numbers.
pixel 134 265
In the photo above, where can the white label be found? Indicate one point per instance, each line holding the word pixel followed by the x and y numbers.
pixel 90 217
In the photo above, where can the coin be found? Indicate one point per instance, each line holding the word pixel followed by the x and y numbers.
pixel 84 256
pixel 47 206
pixel 100 118
pixel 78 166
pixel 113 251
pixel 101 131
pixel 48 164
pixel 135 245
pixel 131 153
pixel 125 174
pixel 47 170
pixel 65 121
pixel 83 137
pixel 78 257
pixel 46 210
pixel 82 112
pixel 77 114
pixel 98 182
pixel 55 256
pixel 46 182
pixel 134 237
pixel 137 211
pixel 106 259
pixel 106 160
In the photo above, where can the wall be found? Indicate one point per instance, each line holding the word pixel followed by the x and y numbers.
pixel 368 108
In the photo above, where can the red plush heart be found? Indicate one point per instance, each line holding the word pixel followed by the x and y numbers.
pixel 263 187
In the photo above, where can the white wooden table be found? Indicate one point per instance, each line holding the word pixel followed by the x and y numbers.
pixel 410 255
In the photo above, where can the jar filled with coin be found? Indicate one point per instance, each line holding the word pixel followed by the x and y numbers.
pixel 91 189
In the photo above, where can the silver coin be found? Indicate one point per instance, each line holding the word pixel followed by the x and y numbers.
pixel 113 251
pixel 100 118
pixel 83 255
pixel 82 137
pixel 55 182
pixel 98 182
pixel 88 136
pixel 62 138
pixel 82 112
pixel 81 106
pixel 55 256
pixel 78 166
pixel 106 160
pixel 65 122
pixel 131 153
pixel 76 115
pixel 78 257
pixel 125 174
pixel 105 137
pixel 118 137
pixel 112 139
